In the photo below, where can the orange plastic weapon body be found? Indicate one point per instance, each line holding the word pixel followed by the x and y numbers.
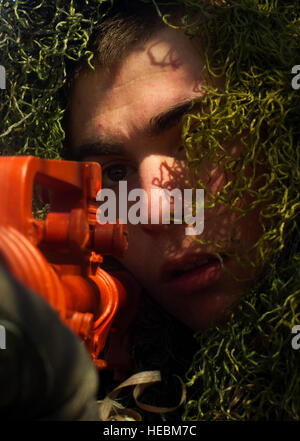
pixel 59 257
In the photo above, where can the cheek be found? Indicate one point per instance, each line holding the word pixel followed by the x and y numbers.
pixel 141 270
pixel 136 259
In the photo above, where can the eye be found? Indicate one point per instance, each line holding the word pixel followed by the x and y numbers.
pixel 113 173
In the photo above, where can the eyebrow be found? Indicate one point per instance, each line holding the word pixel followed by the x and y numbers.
pixel 97 148
pixel 157 126
pixel 166 120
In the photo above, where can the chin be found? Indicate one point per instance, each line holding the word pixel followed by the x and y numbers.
pixel 204 310
pixel 205 323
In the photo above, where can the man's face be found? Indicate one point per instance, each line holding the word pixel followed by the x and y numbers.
pixel 129 120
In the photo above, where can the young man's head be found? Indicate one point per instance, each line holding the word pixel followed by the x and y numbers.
pixel 127 115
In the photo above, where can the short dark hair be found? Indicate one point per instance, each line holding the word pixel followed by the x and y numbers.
pixel 126 25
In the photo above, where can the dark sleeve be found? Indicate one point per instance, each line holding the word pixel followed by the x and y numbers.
pixel 45 371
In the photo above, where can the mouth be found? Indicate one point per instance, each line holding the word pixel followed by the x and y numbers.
pixel 191 273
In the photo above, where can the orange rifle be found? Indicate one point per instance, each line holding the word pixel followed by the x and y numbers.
pixel 60 257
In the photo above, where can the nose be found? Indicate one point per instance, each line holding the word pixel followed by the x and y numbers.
pixel 161 179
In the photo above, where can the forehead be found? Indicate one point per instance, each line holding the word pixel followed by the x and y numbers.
pixel 161 74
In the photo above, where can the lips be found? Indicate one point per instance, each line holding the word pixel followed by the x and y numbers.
pixel 191 273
